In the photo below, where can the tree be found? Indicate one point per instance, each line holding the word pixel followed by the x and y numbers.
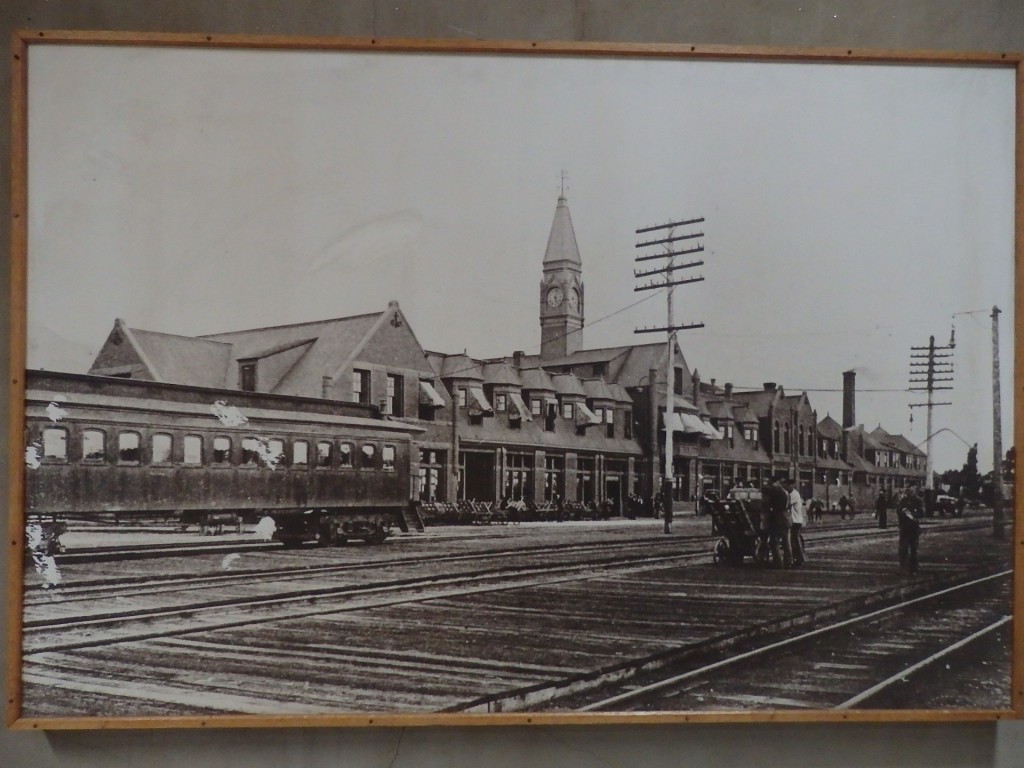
pixel 970 478
pixel 1009 465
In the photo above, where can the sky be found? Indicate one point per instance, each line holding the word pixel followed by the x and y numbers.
pixel 851 211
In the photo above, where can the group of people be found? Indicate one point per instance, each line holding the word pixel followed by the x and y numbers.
pixel 784 515
pixel 783 518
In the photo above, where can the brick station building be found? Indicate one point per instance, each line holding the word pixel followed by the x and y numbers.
pixel 583 424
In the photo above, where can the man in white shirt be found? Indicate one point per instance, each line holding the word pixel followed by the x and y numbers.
pixel 797 515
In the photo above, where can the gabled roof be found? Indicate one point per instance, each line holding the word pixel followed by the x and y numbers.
pixel 183 359
pixel 759 400
pixel 597 389
pixel 302 359
pixel 562 238
pixel 741 414
pixel 459 366
pixel 830 428
pixel 502 374
pixel 536 380
pixel 719 409
pixel 619 393
pixel 568 384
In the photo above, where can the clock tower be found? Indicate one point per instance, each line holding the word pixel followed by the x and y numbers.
pixel 561 289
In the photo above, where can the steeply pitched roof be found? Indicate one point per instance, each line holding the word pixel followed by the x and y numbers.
pixel 459 366
pixel 562 238
pixel 758 400
pixel 830 428
pixel 536 380
pixel 333 341
pixel 183 359
pixel 597 389
pixel 501 373
pixel 568 384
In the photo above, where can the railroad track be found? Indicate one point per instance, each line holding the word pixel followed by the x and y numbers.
pixel 516 636
pixel 116 625
pixel 228 573
pixel 843 664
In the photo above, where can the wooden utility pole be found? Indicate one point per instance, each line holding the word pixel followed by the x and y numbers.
pixel 998 527
pixel 930 372
pixel 666 238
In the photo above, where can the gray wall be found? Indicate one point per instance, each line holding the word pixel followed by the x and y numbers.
pixel 992 25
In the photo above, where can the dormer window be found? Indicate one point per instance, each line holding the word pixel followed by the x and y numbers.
pixel 247 377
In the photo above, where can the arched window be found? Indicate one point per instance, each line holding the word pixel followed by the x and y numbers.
pixel 387 455
pixel 128 447
pixel 161 445
pixel 55 443
pixel 323 454
pixel 94 445
pixel 300 454
pixel 345 455
pixel 785 438
pixel 777 437
pixel 369 453
pixel 222 450
pixel 193 450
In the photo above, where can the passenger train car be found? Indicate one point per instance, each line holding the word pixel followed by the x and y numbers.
pixel 322 470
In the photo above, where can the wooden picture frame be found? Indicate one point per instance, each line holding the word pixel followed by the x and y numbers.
pixel 47 228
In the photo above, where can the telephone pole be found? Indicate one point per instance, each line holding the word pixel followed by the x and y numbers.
pixel 930 371
pixel 998 528
pixel 665 277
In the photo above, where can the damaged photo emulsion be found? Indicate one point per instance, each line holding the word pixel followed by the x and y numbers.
pixel 435 383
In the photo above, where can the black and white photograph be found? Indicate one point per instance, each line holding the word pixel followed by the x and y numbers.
pixel 461 383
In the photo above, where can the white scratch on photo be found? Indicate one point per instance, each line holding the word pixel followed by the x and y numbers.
pixel 265 528
pixel 229 415
pixel 32 456
pixel 229 561
pixel 54 412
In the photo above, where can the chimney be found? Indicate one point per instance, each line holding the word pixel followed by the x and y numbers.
pixel 728 390
pixel 769 386
pixel 517 358
pixel 849 392
pixel 712 385
pixel 695 379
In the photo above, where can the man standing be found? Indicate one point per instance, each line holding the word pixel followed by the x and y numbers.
pixel 909 514
pixel 797 518
pixel 882 509
pixel 776 502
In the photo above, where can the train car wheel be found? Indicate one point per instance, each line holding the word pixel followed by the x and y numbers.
pixel 721 551
pixel 379 536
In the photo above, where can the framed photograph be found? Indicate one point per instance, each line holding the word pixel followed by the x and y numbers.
pixel 384 382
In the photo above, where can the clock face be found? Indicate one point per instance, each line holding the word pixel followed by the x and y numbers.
pixel 574 298
pixel 555 297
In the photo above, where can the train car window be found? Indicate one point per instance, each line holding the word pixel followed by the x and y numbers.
pixel 300 453
pixel 161 445
pixel 323 454
pixel 250 451
pixel 222 450
pixel 275 452
pixel 345 455
pixel 193 450
pixel 128 447
pixel 55 443
pixel 94 445
pixel 387 455
pixel 369 456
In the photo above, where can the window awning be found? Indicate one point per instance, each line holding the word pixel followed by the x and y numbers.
pixel 689 424
pixel 478 404
pixel 519 411
pixel 429 395
pixel 586 417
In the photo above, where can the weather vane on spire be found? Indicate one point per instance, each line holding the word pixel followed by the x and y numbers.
pixel 565 187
